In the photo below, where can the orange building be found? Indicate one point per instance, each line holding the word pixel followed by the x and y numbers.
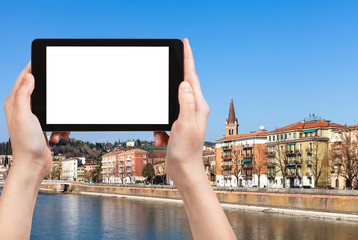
pixel 241 158
pixel 124 166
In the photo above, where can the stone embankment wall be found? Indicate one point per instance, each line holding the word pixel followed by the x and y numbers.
pixel 306 199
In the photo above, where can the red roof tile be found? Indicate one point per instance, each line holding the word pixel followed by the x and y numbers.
pixel 244 135
pixel 302 125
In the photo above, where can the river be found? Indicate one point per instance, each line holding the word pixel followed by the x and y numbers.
pixel 72 216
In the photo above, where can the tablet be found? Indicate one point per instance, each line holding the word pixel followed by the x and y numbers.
pixel 106 84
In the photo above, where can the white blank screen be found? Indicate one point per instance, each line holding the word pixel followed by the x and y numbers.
pixel 107 85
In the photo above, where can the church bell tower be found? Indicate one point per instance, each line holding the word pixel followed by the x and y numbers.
pixel 231 124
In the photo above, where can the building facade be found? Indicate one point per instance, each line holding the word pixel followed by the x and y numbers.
pixel 124 166
pixel 345 158
pixel 298 154
pixel 240 158
pixel 69 168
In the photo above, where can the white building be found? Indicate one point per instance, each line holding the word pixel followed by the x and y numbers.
pixel 69 168
pixel 130 143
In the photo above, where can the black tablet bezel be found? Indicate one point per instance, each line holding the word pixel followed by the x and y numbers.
pixel 38 69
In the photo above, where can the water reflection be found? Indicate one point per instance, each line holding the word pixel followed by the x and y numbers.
pixel 69 216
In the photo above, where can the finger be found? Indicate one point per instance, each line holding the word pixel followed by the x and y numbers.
pixel 18 81
pixel 55 137
pixel 186 102
pixel 9 101
pixel 191 77
pixel 22 96
pixel 160 138
pixel 66 135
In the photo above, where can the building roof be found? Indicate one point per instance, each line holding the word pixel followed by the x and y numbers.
pixel 232 118
pixel 306 125
pixel 113 153
pixel 158 154
pixel 137 150
pixel 244 135
pixel 353 126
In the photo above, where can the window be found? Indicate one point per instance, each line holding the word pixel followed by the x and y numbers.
pixel 273 138
pixel 269 138
pixel 144 162
pixel 310 146
pixel 286 136
pixel 281 136
pixel 300 147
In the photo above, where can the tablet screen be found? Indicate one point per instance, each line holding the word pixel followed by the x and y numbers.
pixel 107 85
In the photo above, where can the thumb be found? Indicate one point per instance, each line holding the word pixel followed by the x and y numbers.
pixel 23 93
pixel 186 101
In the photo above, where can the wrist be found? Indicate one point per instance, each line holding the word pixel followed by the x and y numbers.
pixel 189 177
pixel 29 172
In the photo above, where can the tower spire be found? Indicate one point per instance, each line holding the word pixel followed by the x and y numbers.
pixel 231 122
pixel 231 119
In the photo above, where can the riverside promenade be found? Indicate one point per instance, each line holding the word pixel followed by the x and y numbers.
pixel 316 203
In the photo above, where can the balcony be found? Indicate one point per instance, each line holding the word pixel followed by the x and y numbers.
pixel 207 163
pixel 291 163
pixel 248 166
pixel 246 146
pixel 270 154
pixel 128 164
pixel 226 157
pixel 226 168
pixel 290 152
pixel 247 156
pixel 271 165
pixel 226 148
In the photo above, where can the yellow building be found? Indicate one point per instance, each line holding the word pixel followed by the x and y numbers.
pixel 299 154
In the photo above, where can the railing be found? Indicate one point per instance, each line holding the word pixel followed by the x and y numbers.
pixel 270 164
pixel 226 147
pixel 247 165
pixel 270 154
pixel 249 156
pixel 226 157
pixel 247 146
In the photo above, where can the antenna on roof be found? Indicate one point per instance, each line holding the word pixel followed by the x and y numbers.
pixel 312 118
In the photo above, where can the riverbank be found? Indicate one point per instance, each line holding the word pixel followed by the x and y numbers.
pixel 313 203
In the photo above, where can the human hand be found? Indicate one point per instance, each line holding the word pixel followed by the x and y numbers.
pixel 29 143
pixel 185 144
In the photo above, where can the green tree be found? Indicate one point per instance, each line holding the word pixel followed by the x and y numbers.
pixel 148 172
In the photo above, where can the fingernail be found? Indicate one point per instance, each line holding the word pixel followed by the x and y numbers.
pixel 185 87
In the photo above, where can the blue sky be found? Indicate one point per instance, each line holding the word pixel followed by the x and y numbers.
pixel 279 60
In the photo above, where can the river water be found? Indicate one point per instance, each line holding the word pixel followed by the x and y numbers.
pixel 71 216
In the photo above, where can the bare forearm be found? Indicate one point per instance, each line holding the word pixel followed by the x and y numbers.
pixel 17 202
pixel 206 217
